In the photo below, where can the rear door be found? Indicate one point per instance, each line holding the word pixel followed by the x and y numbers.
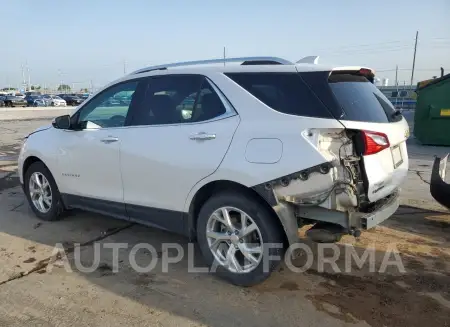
pixel 178 136
pixel 358 104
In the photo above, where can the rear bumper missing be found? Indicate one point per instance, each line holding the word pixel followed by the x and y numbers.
pixel 291 216
pixel 384 210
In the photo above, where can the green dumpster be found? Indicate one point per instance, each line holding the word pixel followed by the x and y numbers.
pixel 432 115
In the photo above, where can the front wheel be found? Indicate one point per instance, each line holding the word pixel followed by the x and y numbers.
pixel 240 237
pixel 42 192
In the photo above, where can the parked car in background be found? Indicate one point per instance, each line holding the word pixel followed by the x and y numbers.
pixel 41 102
pixel 112 102
pixel 31 99
pixel 54 100
pixel 15 101
pixel 84 97
pixel 33 93
pixel 2 103
pixel 71 100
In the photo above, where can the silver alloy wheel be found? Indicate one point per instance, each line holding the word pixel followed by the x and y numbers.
pixel 234 240
pixel 40 192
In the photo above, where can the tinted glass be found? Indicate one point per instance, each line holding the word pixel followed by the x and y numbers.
pixel 208 104
pixel 360 100
pixel 284 92
pixel 169 99
pixel 104 110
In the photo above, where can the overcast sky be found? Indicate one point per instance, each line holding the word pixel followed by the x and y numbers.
pixel 84 40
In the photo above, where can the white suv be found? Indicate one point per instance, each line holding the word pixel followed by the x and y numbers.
pixel 234 156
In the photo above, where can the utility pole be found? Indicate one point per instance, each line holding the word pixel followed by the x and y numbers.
pixel 414 58
pixel 396 76
pixel 124 67
pixel 23 75
pixel 29 78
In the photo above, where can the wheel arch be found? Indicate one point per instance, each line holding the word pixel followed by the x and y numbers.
pixel 28 162
pixel 213 187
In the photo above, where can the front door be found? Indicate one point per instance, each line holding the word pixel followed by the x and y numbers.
pixel 177 137
pixel 90 152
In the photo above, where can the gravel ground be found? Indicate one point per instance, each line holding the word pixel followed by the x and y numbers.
pixel 38 292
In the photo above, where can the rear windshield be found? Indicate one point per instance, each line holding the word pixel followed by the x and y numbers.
pixel 360 100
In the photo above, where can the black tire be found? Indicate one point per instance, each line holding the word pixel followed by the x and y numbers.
pixel 57 207
pixel 268 224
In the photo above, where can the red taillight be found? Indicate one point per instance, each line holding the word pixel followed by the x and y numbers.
pixel 366 72
pixel 374 142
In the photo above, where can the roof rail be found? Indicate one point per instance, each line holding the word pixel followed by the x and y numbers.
pixel 246 60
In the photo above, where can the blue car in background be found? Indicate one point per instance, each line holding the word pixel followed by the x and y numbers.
pixel 36 101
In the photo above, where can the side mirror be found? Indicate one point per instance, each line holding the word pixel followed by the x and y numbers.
pixel 61 122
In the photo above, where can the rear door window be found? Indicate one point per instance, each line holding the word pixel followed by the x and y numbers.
pixel 283 92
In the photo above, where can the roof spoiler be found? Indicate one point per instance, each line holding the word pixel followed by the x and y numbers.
pixel 309 60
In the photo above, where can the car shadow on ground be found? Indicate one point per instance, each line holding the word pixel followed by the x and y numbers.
pixel 420 295
pixel 431 227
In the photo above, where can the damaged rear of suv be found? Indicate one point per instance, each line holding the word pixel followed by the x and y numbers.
pixel 354 139
pixel 321 146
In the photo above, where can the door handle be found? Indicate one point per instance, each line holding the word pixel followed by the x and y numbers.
pixel 202 136
pixel 109 139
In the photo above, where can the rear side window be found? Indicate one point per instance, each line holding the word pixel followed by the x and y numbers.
pixel 283 92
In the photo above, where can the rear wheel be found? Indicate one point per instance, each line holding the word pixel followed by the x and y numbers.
pixel 240 237
pixel 42 192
